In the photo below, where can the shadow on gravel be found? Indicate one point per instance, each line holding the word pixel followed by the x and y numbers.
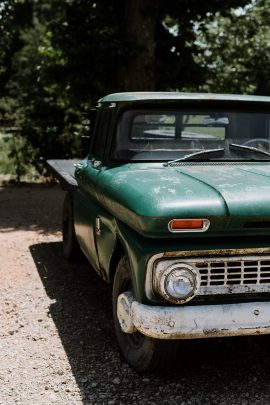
pixel 82 306
pixel 29 207
pixel 228 371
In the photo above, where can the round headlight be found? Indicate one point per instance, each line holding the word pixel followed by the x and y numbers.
pixel 179 283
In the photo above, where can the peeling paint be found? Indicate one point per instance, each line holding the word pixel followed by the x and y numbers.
pixel 202 321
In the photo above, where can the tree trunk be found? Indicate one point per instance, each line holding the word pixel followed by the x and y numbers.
pixel 140 24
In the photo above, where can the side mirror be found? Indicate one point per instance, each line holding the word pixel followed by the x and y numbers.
pixel 85 144
pixel 89 119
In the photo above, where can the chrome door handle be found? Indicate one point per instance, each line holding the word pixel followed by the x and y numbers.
pixel 79 165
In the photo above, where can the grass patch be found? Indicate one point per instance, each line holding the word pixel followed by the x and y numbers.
pixel 12 160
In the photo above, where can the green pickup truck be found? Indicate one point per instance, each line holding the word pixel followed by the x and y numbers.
pixel 172 206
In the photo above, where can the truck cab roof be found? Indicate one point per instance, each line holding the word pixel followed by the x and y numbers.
pixel 180 96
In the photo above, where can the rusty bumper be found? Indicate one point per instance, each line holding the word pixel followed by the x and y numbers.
pixel 192 322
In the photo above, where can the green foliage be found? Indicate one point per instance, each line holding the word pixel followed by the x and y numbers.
pixel 235 50
pixel 12 158
pixel 47 120
pixel 58 57
pixel 178 66
pixel 14 16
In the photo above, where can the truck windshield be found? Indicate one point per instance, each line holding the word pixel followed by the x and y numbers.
pixel 151 135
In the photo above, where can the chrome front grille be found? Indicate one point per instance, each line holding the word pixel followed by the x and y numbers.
pixel 234 272
pixel 233 275
pixel 223 275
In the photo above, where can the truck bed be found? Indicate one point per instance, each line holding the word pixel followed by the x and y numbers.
pixel 63 170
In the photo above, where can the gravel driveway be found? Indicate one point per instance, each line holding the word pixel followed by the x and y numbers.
pixel 57 344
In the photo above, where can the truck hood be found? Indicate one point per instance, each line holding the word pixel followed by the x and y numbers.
pixel 190 191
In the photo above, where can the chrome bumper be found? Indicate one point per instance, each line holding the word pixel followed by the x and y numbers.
pixel 192 322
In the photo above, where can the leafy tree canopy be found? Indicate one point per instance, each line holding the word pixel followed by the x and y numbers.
pixel 58 57
pixel 235 50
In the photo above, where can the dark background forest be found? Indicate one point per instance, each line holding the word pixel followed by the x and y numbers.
pixel 57 58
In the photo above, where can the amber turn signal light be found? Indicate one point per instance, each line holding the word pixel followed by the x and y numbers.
pixel 188 225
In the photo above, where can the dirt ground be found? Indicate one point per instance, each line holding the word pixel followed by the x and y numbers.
pixel 57 344
pixel 45 326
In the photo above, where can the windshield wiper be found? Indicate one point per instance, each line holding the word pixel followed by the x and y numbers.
pixel 201 153
pixel 248 149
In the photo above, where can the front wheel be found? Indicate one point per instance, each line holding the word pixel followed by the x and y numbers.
pixel 143 353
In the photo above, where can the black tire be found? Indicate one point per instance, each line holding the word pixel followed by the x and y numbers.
pixel 143 353
pixel 70 244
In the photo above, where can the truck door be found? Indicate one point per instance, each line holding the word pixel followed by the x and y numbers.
pixel 86 204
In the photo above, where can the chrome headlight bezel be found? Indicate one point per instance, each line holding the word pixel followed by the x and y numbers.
pixel 162 271
pixel 174 276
